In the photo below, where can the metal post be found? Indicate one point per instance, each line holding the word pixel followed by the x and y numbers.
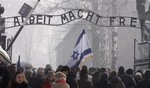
pixel 149 56
pixel 20 29
pixel 142 30
pixel 2 29
pixel 134 53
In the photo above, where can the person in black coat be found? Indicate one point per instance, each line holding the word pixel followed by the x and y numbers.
pixel 19 82
pixel 128 80
pixel 145 83
pixel 4 75
pixel 104 81
pixel 39 79
pixel 29 76
pixel 96 79
pixel 83 81
pixel 71 79
pixel 115 80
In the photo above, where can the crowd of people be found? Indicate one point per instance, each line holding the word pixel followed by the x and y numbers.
pixel 65 77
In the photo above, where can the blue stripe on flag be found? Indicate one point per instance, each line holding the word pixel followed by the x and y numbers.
pixel 86 52
pixel 83 32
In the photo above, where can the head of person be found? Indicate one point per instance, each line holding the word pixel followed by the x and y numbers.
pixel 147 74
pixel 92 70
pixel 34 72
pixel 51 76
pixel 40 72
pixel 21 69
pixel 59 68
pixel 83 74
pixel 29 73
pixel 84 67
pixel 112 74
pixel 138 76
pixel 65 70
pixel 20 78
pixel 96 75
pixel 47 69
pixel 48 66
pixel 121 70
pixel 60 76
pixel 13 68
pixel 140 71
pixel 77 69
pixel 102 70
pixel 129 71
pixel 104 76
pixel 72 73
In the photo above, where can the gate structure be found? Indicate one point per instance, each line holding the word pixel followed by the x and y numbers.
pixel 114 21
pixel 141 55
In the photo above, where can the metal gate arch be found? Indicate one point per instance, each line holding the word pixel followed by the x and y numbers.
pixel 94 18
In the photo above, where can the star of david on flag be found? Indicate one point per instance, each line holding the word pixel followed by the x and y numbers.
pixel 81 52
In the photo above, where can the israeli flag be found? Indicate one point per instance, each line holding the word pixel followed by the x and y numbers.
pixel 82 51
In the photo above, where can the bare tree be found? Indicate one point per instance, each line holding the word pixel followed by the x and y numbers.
pixel 52 36
pixel 31 41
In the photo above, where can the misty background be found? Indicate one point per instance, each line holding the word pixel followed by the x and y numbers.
pixel 41 44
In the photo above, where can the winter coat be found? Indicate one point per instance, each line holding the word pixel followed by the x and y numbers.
pixel 4 76
pixel 30 81
pixel 16 85
pixel 60 84
pixel 95 82
pixel 47 84
pixel 145 83
pixel 104 84
pixel 71 80
pixel 116 82
pixel 38 82
pixel 84 83
pixel 128 80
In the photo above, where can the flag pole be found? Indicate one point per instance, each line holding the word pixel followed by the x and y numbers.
pixel 24 23
pixel 18 62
